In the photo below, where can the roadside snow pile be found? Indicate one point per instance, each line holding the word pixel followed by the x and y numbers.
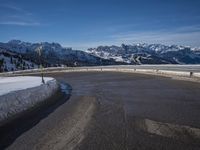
pixel 10 84
pixel 18 94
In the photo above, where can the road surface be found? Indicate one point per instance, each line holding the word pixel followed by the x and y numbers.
pixel 116 111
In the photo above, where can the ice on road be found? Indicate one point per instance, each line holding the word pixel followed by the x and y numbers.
pixel 10 84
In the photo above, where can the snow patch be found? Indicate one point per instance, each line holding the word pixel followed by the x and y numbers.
pixel 10 84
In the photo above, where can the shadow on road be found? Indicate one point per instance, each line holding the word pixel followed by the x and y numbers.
pixel 10 131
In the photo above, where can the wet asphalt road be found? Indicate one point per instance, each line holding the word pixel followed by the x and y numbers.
pixel 125 111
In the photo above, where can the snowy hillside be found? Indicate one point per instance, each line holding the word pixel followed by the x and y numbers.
pixel 10 61
pixel 148 54
pixel 53 54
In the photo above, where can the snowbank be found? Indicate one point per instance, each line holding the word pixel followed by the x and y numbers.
pixel 18 94
pixel 10 84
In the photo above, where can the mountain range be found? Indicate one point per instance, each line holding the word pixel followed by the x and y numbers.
pixel 17 55
pixel 148 54
pixel 52 55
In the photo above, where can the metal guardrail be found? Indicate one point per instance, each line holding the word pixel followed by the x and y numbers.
pixel 189 74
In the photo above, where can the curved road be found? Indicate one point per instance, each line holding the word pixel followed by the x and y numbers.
pixel 119 111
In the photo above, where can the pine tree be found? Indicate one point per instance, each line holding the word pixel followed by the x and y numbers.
pixel 28 67
pixel 1 65
pixel 11 60
pixel 5 69
pixel 24 64
pixel 32 65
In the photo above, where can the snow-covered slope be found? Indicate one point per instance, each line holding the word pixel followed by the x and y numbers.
pixel 148 54
pixel 53 54
pixel 10 61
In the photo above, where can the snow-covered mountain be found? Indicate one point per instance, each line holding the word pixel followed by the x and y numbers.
pixel 16 55
pixel 53 54
pixel 148 54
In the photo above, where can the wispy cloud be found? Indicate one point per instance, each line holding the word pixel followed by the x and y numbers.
pixel 15 8
pixel 192 28
pixel 15 15
pixel 18 23
pixel 186 35
pixel 88 44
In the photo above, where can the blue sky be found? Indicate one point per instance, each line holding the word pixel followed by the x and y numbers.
pixel 88 23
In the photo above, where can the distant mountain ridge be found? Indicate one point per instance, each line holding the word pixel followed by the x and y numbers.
pixel 53 54
pixel 148 54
